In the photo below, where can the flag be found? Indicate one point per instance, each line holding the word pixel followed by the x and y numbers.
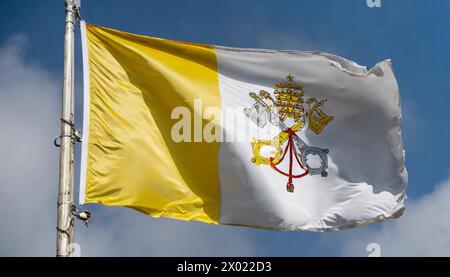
pixel 282 140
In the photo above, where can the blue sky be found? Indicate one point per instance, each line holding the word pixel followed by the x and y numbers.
pixel 414 34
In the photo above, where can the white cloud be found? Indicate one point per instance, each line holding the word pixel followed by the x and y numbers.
pixel 28 163
pixel 29 120
pixel 424 229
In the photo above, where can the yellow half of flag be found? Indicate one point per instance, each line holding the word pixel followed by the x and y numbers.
pixel 135 82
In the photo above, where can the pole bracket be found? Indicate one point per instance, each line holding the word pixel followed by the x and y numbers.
pixel 73 6
pixel 75 134
pixel 83 215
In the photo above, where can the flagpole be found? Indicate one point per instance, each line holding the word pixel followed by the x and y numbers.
pixel 65 222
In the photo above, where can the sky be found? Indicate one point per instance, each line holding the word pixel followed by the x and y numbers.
pixel 413 33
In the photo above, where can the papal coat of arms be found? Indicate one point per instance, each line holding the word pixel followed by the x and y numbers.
pixel 288 107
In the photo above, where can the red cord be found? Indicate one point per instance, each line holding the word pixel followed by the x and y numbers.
pixel 292 151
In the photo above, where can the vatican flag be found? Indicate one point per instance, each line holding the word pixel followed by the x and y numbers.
pixel 283 140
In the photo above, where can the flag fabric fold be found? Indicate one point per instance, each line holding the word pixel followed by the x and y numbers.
pixel 283 140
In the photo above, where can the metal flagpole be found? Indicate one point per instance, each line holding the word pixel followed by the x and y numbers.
pixel 65 223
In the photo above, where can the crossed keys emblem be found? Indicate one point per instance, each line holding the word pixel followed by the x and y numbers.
pixel 288 105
